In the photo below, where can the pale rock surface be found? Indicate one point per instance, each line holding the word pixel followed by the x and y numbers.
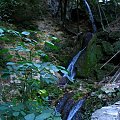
pixel 107 113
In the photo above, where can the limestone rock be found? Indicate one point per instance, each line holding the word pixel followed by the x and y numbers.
pixel 107 113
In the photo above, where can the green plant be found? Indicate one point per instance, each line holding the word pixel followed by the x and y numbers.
pixel 24 96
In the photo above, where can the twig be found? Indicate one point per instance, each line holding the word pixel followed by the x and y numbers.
pixel 109 59
pixel 115 68
pixel 107 76
pixel 116 75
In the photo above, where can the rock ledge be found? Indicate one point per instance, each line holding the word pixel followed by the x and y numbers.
pixel 107 113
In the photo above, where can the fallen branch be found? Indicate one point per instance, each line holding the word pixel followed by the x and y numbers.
pixel 110 59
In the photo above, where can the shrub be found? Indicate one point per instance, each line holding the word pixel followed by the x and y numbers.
pixel 22 10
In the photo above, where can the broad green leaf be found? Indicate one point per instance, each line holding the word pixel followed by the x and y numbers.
pixel 61 67
pixel 42 54
pixel 16 114
pixel 23 113
pixel 11 63
pixel 43 93
pixel 53 67
pixel 27 40
pixel 19 107
pixel 57 118
pixel 14 32
pixel 30 116
pixel 1 35
pixel 51 45
pixel 1 32
pixel 25 33
pixel 64 72
pixel 37 65
pixel 56 39
pixel 48 78
pixel 43 115
pixel 20 48
pixel 3 108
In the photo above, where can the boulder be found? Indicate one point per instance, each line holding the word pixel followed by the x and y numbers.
pixel 107 113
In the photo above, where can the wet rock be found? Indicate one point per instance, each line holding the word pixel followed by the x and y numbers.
pixel 63 82
pixel 88 60
pixel 68 106
pixel 87 37
pixel 62 101
pixel 107 113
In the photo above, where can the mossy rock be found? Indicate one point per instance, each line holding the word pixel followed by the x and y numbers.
pixel 89 59
pixel 107 48
pixel 99 52
pixel 105 71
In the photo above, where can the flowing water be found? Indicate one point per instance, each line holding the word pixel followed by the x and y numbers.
pixel 90 15
pixel 75 109
pixel 71 67
pixel 69 109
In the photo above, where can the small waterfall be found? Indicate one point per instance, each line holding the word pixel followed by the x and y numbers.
pixel 69 108
pixel 90 15
pixel 75 108
pixel 71 67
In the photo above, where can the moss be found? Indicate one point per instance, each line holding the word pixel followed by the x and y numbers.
pixel 90 58
pixel 107 48
pixel 99 52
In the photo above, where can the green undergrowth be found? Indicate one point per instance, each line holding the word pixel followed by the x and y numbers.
pixel 29 88
pixel 28 82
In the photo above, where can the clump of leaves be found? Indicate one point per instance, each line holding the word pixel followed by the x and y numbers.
pixel 24 96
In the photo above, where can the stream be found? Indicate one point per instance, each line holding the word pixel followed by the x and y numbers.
pixel 72 72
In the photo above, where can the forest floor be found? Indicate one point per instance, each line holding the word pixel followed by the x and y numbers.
pixel 69 47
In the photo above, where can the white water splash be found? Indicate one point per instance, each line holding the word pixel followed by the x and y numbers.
pixel 75 109
pixel 71 67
